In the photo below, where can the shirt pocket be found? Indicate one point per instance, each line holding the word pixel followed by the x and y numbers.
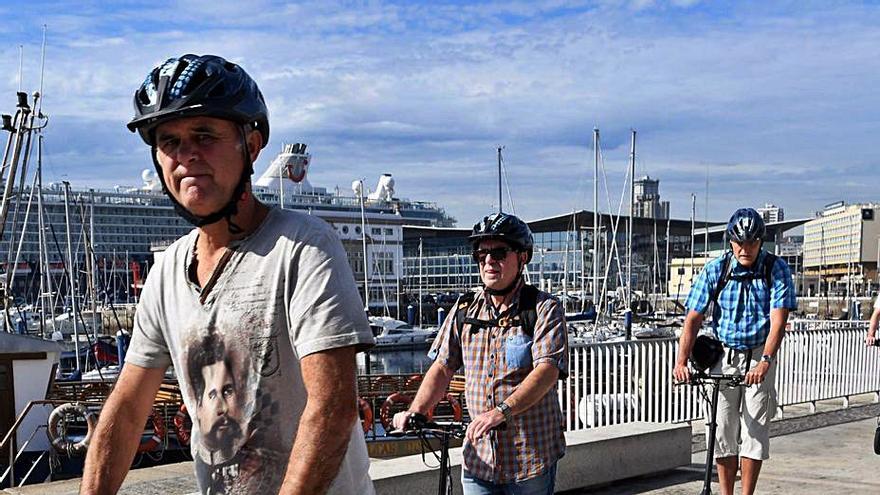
pixel 518 349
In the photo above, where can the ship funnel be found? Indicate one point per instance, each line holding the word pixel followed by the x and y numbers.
pixel 385 190
pixel 151 180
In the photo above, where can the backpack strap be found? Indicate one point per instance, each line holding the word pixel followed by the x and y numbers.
pixel 464 302
pixel 528 309
pixel 769 263
pixel 726 268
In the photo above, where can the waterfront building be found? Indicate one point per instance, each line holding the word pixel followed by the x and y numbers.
pixel 771 213
pixel 648 204
pixel 841 248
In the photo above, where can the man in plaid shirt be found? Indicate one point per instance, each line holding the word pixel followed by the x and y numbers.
pixel 515 437
pixel 749 319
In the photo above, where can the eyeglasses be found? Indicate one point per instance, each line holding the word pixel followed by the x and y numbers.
pixel 498 254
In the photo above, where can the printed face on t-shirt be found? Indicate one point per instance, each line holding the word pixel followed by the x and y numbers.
pixel 219 412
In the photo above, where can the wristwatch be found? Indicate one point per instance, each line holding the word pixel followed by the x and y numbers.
pixel 504 409
pixel 767 358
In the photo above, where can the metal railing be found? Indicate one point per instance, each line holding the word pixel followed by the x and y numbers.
pixel 622 382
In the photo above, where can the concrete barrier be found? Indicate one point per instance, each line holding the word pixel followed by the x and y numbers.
pixel 596 456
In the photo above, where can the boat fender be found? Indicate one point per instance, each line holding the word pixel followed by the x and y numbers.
pixel 386 414
pixel 183 431
pixel 366 413
pixel 155 440
pixel 59 439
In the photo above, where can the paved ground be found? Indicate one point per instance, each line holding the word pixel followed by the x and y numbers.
pixel 823 453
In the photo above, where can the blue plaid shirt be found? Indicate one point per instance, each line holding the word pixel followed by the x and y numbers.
pixel 741 317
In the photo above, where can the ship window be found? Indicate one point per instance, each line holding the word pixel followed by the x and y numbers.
pixel 345 229
pixel 357 230
pixel 389 231
pixel 376 231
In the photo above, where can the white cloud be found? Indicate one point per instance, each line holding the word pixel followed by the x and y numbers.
pixel 768 99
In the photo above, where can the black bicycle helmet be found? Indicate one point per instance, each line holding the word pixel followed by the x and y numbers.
pixel 193 85
pixel 507 228
pixel 745 225
pixel 706 352
pixel 209 86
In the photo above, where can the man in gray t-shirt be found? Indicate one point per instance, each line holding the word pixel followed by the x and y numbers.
pixel 256 309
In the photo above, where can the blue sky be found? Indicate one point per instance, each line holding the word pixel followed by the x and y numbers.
pixel 777 101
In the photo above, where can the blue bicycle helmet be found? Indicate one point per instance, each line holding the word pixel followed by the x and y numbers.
pixel 745 225
pixel 192 85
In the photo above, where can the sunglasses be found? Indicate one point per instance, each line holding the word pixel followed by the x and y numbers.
pixel 498 254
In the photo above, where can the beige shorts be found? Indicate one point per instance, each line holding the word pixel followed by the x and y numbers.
pixel 744 413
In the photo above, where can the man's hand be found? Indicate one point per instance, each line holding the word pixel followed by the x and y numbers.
pixel 871 339
pixel 756 375
pixel 682 373
pixel 482 424
pixel 401 419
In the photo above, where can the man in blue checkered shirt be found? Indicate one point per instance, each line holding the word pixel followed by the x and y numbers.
pixel 749 315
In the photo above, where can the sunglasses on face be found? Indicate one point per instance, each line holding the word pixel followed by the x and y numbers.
pixel 498 254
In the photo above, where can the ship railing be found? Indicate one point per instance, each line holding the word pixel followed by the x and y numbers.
pixel 623 382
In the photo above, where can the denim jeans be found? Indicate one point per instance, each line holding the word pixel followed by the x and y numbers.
pixel 542 485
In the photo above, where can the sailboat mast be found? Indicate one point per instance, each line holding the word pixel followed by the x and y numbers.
pixel 595 260
pixel 631 225
pixel 500 209
pixel 364 243
pixel 666 269
pixel 421 282
pixel 706 216
pixel 71 271
pixel 693 228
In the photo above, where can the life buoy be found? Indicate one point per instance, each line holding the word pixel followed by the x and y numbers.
pixel 149 443
pixel 453 402
pixel 181 428
pixel 366 414
pixel 59 439
pixel 386 414
pixel 413 382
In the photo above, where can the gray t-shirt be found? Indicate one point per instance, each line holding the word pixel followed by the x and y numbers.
pixel 286 291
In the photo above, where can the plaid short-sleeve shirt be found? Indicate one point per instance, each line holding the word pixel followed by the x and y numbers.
pixel 742 314
pixel 496 360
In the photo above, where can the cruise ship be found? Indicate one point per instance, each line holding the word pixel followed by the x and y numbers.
pixel 127 226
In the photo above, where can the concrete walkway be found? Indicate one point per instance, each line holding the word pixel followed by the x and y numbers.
pixel 830 460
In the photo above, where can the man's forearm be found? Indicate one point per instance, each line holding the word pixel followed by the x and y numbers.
pixel 433 388
pixel 325 427
pixel 778 319
pixel 692 323
pixel 111 450
pixel 119 430
pixel 536 385
pixel 321 443
pixel 875 320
